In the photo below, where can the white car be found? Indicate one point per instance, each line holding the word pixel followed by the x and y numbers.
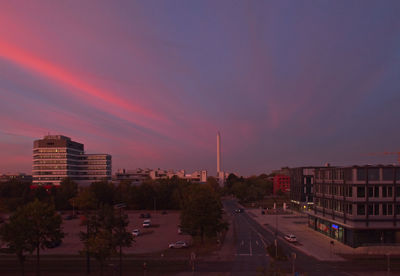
pixel 147 223
pixel 290 238
pixel 136 232
pixel 178 244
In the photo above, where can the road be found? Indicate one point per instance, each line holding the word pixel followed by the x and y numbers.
pixel 251 242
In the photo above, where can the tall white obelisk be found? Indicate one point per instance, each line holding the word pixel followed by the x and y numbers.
pixel 220 173
pixel 218 153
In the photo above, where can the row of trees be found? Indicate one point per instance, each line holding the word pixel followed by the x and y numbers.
pixel 36 224
pixel 249 189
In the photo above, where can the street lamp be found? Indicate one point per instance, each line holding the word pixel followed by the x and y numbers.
pixel 120 206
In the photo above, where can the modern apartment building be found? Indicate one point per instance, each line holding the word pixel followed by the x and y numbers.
pixel 302 187
pixel 357 205
pixel 56 157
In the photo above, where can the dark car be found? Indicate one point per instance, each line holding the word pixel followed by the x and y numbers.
pixel 53 244
pixel 240 210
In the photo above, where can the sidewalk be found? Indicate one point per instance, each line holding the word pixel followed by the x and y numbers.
pixel 310 242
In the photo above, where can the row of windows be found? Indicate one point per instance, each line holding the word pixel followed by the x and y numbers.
pixel 378 191
pixel 338 190
pixel 383 209
pixel 373 174
pixel 64 150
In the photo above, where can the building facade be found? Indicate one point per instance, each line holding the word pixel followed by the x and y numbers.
pixel 56 157
pixel 357 205
pixel 302 187
pixel 281 183
pixel 138 176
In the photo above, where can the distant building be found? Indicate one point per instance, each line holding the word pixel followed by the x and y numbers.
pixel 139 175
pixel 136 176
pixel 17 176
pixel 281 182
pixel 357 205
pixel 56 157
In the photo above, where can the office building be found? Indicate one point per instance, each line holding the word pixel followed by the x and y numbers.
pixel 281 183
pixel 56 157
pixel 358 205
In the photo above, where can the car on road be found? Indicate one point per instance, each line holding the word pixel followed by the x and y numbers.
pixel 147 215
pixel 239 210
pixel 146 223
pixel 136 232
pixel 290 238
pixel 178 244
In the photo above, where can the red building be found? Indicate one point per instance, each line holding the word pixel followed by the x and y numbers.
pixel 281 182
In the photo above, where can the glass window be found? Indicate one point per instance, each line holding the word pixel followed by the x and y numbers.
pixel 397 211
pixel 384 191
pixel 376 191
pixel 360 192
pixel 376 209
pixel 397 173
pixel 370 191
pixel 384 209
pixel 390 191
pixel 350 209
pixel 361 174
pixel 360 209
pixel 370 209
pixel 373 174
pixel 387 174
pixel 390 209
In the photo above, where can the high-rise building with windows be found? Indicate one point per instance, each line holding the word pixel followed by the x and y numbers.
pixel 56 157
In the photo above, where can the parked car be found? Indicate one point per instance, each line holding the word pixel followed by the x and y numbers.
pixel 147 215
pixel 53 244
pixel 136 232
pixel 146 223
pixel 290 238
pixel 178 244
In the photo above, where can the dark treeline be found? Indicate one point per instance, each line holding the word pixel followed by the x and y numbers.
pixel 249 189
pixel 162 194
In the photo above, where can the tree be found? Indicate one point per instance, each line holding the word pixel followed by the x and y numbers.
pixel 63 194
pixel 202 212
pixel 45 226
pixel 17 234
pixel 107 232
pixel 104 192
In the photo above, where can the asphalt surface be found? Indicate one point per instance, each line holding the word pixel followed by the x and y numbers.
pixel 251 253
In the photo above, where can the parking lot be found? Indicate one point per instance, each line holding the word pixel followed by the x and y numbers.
pixel 163 231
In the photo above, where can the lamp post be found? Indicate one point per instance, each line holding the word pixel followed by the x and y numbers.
pixel 293 259
pixel 120 206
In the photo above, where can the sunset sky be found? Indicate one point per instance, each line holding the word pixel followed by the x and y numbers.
pixel 287 83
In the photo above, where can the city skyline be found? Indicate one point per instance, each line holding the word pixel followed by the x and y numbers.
pixel 151 84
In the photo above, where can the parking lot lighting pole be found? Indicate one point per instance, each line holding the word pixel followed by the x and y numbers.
pixel 87 249
pixel 120 206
